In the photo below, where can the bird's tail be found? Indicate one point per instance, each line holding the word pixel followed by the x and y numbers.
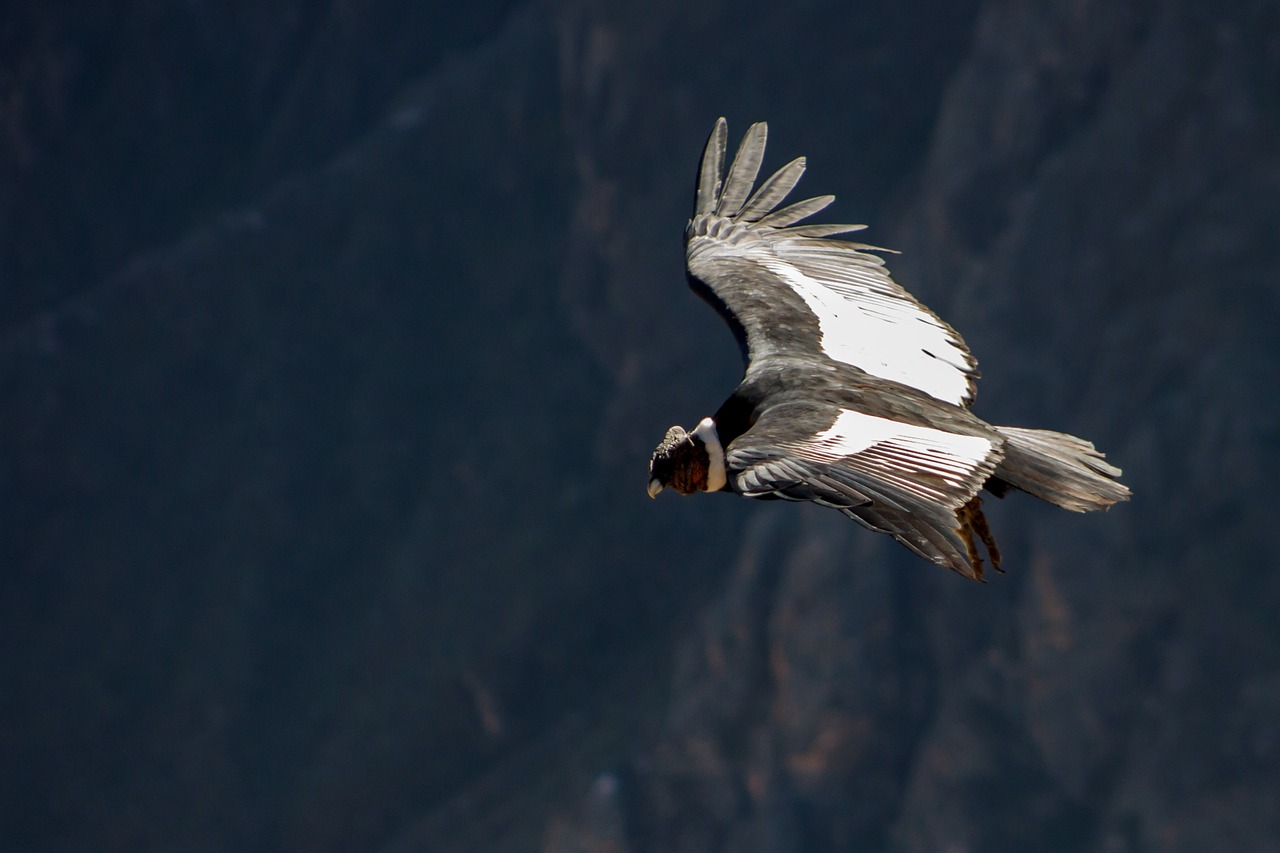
pixel 1060 469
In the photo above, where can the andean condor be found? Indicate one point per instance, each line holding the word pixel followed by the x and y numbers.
pixel 855 396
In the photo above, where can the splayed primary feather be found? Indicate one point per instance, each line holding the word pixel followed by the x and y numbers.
pixel 711 169
pixel 795 212
pixel 771 193
pixel 743 172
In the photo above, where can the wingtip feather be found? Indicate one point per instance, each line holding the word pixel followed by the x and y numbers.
pixel 743 171
pixel 711 168
pixel 773 191
pixel 796 212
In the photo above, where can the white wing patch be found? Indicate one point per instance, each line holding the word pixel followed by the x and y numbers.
pixel 867 325
pixel 900 453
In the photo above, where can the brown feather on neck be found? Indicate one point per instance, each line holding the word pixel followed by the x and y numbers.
pixel 691 466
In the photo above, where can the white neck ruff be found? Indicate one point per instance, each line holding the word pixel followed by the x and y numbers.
pixel 706 433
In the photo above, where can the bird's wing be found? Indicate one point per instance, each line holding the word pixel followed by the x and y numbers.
pixel 787 288
pixel 902 479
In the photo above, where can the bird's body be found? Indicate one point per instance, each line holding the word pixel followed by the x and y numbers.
pixel 855 395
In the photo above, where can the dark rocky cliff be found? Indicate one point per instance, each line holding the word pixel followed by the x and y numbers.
pixel 335 342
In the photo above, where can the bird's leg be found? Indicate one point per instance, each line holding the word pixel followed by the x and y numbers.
pixel 979 520
pixel 966 529
pixel 973 520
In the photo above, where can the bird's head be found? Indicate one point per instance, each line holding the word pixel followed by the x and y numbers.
pixel 680 462
pixel 688 461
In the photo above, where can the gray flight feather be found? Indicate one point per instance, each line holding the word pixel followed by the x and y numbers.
pixel 795 212
pixel 773 191
pixel 824 231
pixel 711 169
pixel 743 172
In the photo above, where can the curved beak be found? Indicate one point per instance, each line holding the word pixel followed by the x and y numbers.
pixel 654 488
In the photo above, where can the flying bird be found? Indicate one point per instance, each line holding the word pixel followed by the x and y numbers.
pixel 855 396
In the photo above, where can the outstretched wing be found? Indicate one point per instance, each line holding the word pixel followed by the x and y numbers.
pixel 787 288
pixel 902 479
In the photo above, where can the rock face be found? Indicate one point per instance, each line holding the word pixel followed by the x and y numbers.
pixel 325 417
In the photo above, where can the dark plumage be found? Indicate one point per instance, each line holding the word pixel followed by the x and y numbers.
pixel 680 462
pixel 855 396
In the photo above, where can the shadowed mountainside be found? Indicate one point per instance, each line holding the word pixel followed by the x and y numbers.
pixel 325 524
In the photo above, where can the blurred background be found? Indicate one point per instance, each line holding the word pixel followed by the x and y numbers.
pixel 334 339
